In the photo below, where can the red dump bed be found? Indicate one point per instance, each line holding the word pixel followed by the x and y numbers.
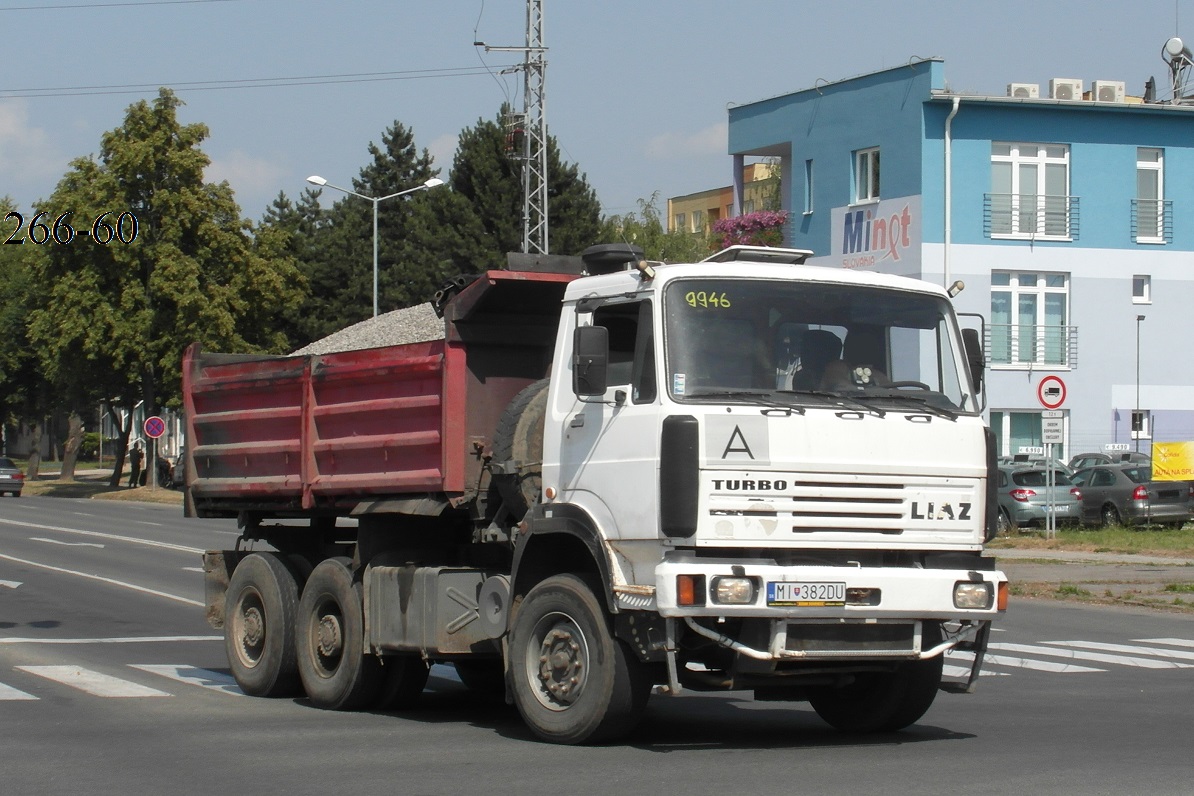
pixel 294 436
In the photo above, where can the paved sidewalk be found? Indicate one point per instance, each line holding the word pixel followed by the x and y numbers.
pixel 1114 578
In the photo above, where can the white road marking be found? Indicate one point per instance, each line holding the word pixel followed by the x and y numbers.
pixel 109 536
pixel 964 671
pixel 1026 663
pixel 118 640
pixel 133 586
pixel 147 522
pixel 192 675
pixel 1099 657
pixel 10 694
pixel 1172 642
pixel 193 569
pixel 10 584
pixel 94 683
pixel 66 544
pixel 1128 648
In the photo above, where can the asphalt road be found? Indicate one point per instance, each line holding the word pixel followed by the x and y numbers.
pixel 111 682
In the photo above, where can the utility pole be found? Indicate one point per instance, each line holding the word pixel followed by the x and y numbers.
pixel 534 126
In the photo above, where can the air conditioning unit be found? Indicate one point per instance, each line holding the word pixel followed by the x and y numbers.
pixel 1065 88
pixel 1023 90
pixel 1107 90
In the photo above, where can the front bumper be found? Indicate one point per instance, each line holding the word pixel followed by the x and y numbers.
pixel 890 592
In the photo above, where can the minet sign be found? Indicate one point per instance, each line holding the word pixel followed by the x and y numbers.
pixel 885 233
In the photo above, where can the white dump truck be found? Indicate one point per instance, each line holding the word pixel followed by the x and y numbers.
pixel 739 474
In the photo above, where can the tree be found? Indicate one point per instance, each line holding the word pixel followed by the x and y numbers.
pixel 25 396
pixel 169 261
pixel 484 172
pixel 647 231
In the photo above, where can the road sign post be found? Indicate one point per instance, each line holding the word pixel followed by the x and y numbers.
pixel 154 427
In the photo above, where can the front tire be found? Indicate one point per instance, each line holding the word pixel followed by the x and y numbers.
pixel 260 607
pixel 336 672
pixel 884 701
pixel 573 681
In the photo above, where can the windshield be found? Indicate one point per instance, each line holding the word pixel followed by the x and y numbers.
pixel 736 336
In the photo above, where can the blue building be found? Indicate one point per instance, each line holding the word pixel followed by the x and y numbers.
pixel 1070 222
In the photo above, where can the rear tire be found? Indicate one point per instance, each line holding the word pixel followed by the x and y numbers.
pixel 884 701
pixel 336 672
pixel 260 607
pixel 572 680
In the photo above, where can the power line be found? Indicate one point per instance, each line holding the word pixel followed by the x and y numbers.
pixel 262 82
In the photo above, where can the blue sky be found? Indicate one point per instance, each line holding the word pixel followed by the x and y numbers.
pixel 637 92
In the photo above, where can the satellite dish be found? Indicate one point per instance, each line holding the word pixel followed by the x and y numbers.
pixel 1174 47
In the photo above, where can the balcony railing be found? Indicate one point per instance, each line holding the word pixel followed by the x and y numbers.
pixel 1032 344
pixel 1030 216
pixel 1152 220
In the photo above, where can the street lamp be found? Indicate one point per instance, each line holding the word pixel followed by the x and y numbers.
pixel 1136 412
pixel 321 182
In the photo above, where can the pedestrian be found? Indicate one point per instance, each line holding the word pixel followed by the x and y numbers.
pixel 136 457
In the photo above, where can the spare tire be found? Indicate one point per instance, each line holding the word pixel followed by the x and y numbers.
pixel 518 439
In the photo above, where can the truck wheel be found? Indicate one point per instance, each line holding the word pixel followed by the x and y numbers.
pixel 404 678
pixel 884 701
pixel 336 672
pixel 573 681
pixel 519 437
pixel 259 615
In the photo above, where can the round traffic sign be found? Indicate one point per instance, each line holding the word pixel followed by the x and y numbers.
pixel 154 427
pixel 1051 392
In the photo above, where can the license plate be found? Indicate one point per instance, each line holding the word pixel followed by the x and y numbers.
pixel 806 594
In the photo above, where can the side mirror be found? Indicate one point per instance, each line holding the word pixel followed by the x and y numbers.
pixel 590 360
pixel 975 360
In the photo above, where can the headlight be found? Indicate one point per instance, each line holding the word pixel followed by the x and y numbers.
pixel 733 590
pixel 972 594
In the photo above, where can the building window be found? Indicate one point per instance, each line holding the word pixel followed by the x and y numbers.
pixel 1142 424
pixel 1030 191
pixel 866 175
pixel 1016 430
pixel 1030 319
pixel 808 185
pixel 748 206
pixel 698 220
pixel 1142 289
pixel 678 223
pixel 1149 207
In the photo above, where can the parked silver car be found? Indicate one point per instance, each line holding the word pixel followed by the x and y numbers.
pixel 1125 494
pixel 12 480
pixel 1081 461
pixel 1024 497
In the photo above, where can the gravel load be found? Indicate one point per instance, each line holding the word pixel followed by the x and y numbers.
pixel 418 324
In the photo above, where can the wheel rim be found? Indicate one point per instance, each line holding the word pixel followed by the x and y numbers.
pixel 327 637
pixel 557 661
pixel 249 629
pixel 1110 515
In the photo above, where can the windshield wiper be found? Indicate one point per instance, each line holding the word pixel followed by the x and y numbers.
pixel 932 408
pixel 842 399
pixel 750 396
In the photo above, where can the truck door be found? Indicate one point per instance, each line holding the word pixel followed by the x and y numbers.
pixel 609 445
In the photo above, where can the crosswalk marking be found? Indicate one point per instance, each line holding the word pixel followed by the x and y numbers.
pixel 1172 642
pixel 192 675
pixel 1124 660
pixel 1025 663
pixel 10 694
pixel 1164 654
pixel 1128 648
pixel 93 683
